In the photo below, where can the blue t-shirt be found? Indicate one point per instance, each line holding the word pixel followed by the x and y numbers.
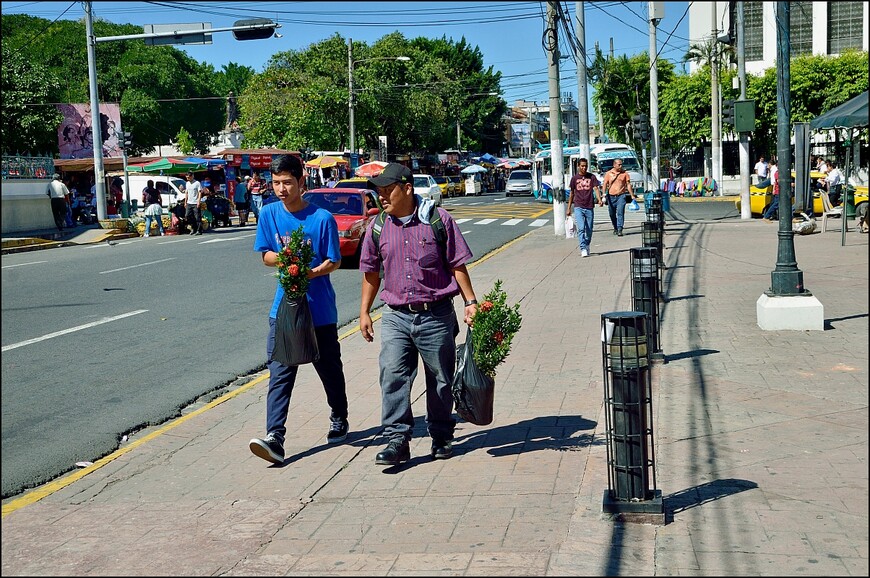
pixel 274 228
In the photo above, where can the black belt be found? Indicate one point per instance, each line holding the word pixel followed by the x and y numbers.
pixel 421 307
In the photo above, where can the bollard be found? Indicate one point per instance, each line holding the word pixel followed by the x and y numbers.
pixel 651 235
pixel 631 481
pixel 645 295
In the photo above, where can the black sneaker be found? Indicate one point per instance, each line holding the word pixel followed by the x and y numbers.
pixel 615 232
pixel 337 430
pixel 619 233
pixel 442 449
pixel 270 448
pixel 396 452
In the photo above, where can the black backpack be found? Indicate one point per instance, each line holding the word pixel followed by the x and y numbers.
pixel 435 221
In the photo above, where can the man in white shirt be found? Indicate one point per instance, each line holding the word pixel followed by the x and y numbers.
pixel 193 215
pixel 832 183
pixel 59 195
pixel 761 169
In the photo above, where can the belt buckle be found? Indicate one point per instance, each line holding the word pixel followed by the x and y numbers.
pixel 423 307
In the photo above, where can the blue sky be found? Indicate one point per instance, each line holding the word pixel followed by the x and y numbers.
pixel 507 33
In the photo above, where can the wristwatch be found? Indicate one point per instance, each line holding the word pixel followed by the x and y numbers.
pixel 472 302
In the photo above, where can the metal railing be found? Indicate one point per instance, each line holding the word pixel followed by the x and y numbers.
pixel 25 167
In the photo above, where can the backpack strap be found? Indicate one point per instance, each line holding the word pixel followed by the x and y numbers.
pixel 438 229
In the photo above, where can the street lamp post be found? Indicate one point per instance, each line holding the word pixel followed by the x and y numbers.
pixel 350 64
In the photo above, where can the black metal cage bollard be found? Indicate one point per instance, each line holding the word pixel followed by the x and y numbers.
pixel 631 479
pixel 645 293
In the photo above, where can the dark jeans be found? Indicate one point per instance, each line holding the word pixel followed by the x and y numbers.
pixel 193 216
pixel 282 379
pixel 58 209
pixel 773 209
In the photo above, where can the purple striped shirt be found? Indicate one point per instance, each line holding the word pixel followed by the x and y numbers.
pixel 414 269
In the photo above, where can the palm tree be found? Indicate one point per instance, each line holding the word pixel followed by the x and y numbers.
pixel 702 53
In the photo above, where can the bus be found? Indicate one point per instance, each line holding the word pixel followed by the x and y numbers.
pixel 601 157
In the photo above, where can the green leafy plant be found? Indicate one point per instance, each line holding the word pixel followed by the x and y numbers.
pixel 294 264
pixel 495 325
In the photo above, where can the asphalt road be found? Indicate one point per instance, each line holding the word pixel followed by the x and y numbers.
pixel 101 340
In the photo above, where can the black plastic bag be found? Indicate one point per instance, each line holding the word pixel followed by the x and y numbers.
pixel 295 340
pixel 473 391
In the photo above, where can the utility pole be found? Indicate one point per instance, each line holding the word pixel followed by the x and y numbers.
pixel 555 119
pixel 745 209
pixel 582 95
pixel 600 117
pixel 352 137
pixel 656 13
pixel 529 109
pixel 458 138
pixel 96 135
pixel 715 149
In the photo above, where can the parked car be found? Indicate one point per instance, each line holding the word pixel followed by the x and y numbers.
pixel 426 187
pixel 519 183
pixel 353 209
pixel 355 183
pixel 445 185
pixel 458 185
pixel 171 189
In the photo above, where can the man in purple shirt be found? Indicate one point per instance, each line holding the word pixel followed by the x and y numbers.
pixel 585 191
pixel 421 277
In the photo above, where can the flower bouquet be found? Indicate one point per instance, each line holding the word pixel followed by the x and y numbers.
pixel 487 344
pixel 295 340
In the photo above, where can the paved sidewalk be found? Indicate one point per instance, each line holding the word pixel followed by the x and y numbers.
pixel 761 444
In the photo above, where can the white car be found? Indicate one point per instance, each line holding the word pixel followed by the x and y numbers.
pixel 426 187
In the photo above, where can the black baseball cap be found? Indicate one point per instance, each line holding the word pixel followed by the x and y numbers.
pixel 393 173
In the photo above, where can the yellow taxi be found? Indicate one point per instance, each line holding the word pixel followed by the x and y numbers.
pixel 760 198
pixel 445 185
pixel 458 185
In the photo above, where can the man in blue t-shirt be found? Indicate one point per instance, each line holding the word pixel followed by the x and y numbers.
pixel 274 226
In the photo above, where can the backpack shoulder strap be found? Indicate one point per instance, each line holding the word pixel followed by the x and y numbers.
pixel 438 228
pixel 377 227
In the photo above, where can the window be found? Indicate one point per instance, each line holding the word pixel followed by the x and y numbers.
pixel 845 23
pixel 801 22
pixel 753 29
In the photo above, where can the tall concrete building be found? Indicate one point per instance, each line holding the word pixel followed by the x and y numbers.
pixel 816 28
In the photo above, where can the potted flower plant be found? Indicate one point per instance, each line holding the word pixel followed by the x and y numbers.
pixel 295 340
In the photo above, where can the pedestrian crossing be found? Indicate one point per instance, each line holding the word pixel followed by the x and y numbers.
pixel 504 222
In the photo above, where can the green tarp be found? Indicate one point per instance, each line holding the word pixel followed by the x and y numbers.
pixel 850 114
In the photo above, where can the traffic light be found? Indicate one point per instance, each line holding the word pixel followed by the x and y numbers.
pixel 264 28
pixel 728 112
pixel 644 128
pixel 635 125
pixel 125 139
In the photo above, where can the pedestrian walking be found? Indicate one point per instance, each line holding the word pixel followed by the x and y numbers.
pixel 761 169
pixel 59 195
pixel 193 196
pixel 274 227
pixel 584 193
pixel 255 188
pixel 153 208
pixel 423 255
pixel 773 209
pixel 617 185
pixel 240 198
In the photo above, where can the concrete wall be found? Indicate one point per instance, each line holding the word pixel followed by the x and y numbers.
pixel 24 206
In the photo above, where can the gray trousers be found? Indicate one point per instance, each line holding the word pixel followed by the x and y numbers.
pixel 405 338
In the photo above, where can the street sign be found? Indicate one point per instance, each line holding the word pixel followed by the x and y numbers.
pixel 187 38
pixel 744 115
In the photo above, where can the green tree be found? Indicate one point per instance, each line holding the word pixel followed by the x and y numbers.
pixel 29 122
pixel 622 89
pixel 184 142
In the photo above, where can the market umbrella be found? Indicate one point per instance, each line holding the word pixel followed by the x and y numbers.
pixel 850 114
pixel 325 162
pixel 489 159
pixel 166 166
pixel 371 169
pixel 471 169
pixel 206 162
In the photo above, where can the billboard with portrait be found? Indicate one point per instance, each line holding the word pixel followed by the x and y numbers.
pixel 75 137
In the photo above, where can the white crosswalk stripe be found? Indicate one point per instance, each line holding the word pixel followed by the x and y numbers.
pixel 485 221
pixel 539 222
pixel 513 222
pixel 460 221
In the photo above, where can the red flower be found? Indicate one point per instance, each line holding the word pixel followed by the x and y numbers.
pixel 293 270
pixel 294 258
pixel 486 306
pixel 294 288
pixel 498 336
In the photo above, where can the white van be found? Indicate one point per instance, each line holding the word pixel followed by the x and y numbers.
pixel 601 157
pixel 171 189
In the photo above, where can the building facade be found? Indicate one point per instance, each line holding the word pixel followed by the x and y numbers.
pixel 827 28
pixel 533 117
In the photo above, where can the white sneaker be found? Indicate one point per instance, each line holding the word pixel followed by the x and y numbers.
pixel 584 253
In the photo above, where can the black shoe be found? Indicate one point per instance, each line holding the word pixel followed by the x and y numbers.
pixel 619 233
pixel 337 430
pixel 442 449
pixel 615 232
pixel 396 452
pixel 269 448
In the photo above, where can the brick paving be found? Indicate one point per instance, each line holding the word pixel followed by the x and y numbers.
pixel 761 443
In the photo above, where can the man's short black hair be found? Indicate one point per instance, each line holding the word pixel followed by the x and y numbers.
pixel 287 164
